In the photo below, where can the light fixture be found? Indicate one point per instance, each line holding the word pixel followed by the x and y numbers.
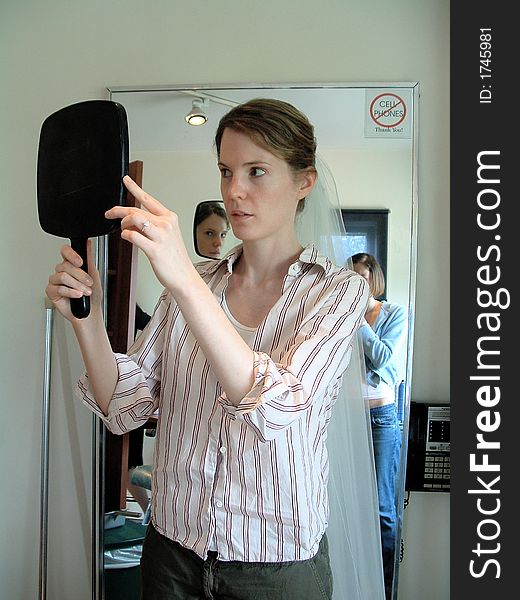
pixel 197 114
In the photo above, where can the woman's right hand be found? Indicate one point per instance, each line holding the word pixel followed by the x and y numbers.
pixel 69 280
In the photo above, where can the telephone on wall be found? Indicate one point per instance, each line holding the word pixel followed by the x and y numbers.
pixel 428 466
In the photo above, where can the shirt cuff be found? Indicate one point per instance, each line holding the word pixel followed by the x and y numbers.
pixel 131 403
pixel 269 385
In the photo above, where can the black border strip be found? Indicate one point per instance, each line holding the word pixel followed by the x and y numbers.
pixel 483 267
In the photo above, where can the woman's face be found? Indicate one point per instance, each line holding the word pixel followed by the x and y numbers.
pixel 363 270
pixel 259 190
pixel 211 234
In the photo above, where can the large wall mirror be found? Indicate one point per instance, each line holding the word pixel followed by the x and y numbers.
pixel 367 136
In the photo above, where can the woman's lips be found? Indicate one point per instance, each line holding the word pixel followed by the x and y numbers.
pixel 240 216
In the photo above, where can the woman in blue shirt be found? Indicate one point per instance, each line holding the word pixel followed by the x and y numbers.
pixel 382 334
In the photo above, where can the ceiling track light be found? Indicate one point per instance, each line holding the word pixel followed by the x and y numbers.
pixel 197 114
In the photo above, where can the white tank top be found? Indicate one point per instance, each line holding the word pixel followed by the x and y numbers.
pixel 245 332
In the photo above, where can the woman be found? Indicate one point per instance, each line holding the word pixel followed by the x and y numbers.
pixel 382 334
pixel 244 359
pixel 211 228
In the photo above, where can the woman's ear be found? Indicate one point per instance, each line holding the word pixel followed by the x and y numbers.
pixel 307 180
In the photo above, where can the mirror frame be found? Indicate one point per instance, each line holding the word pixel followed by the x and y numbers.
pixel 98 438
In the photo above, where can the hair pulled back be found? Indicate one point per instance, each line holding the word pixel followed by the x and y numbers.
pixel 276 126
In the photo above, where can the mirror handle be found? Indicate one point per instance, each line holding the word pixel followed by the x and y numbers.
pixel 80 307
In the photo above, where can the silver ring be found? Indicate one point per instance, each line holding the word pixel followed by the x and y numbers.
pixel 145 225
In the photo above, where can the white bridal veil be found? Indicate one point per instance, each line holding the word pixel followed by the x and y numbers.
pixel 353 531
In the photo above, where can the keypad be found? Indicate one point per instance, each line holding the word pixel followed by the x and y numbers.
pixel 437 471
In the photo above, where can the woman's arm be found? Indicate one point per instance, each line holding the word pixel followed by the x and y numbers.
pixel 156 232
pixel 139 373
pixel 308 364
pixel 380 347
pixel 98 357
pixel 70 281
pixel 231 359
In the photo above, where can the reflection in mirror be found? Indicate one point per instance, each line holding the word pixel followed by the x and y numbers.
pixel 211 229
pixel 372 171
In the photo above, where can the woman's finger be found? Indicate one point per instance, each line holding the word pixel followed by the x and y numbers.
pixel 76 272
pixel 120 212
pixel 71 256
pixel 137 221
pixel 149 202
pixel 65 282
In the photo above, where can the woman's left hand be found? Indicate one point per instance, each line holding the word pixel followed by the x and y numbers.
pixel 155 230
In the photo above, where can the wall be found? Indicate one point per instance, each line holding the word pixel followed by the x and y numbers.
pixel 56 52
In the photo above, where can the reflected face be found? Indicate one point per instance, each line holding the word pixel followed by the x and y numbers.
pixel 363 270
pixel 259 190
pixel 211 234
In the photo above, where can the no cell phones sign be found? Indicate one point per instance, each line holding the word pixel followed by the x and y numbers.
pixel 388 113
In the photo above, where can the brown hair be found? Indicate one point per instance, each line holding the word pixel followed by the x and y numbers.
pixel 278 127
pixel 377 277
pixel 207 208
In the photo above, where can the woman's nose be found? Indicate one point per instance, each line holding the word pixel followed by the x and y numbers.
pixel 235 187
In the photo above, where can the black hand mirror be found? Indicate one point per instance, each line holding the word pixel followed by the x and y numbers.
pixel 82 158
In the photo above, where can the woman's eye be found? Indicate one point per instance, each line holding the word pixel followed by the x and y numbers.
pixel 257 172
pixel 223 235
pixel 224 172
pixel 209 233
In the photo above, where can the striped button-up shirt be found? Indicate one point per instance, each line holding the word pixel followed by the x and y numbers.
pixel 250 480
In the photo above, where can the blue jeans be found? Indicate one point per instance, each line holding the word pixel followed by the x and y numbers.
pixel 386 438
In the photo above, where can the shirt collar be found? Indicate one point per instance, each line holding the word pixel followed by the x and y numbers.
pixel 309 255
pixel 312 256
